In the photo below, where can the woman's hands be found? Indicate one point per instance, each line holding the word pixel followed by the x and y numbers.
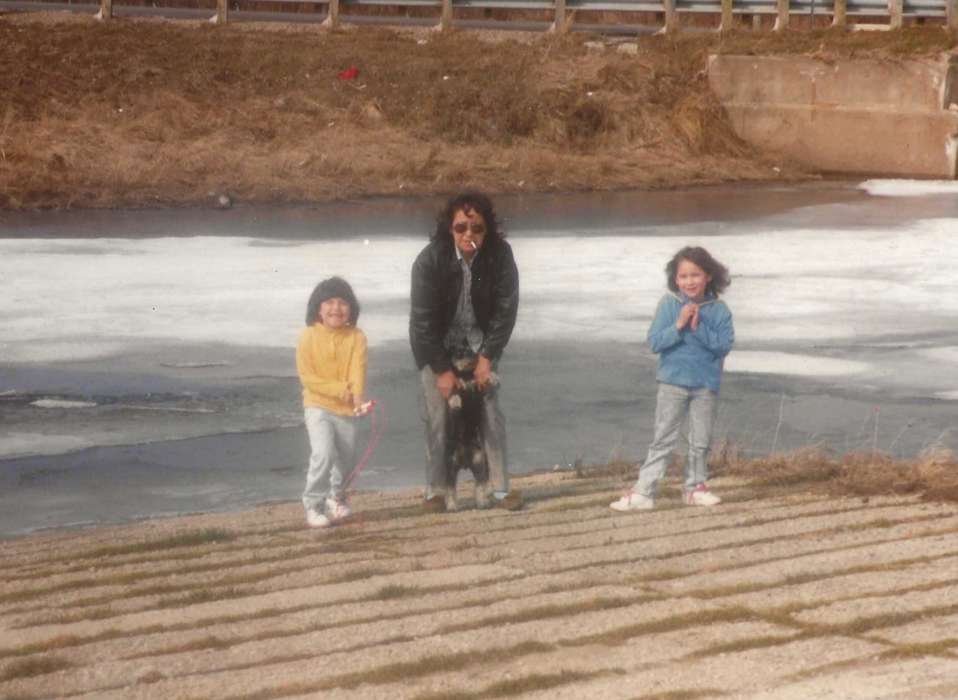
pixel 448 382
pixel 483 372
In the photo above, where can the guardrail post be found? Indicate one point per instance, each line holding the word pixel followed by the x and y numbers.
pixel 222 11
pixel 671 16
pixel 559 25
pixel 726 23
pixel 896 10
pixel 840 14
pixel 781 18
pixel 332 15
pixel 106 10
pixel 445 16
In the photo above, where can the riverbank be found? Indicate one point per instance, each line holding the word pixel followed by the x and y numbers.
pixel 786 590
pixel 156 113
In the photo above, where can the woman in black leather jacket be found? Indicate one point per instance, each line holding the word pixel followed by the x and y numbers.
pixel 467 252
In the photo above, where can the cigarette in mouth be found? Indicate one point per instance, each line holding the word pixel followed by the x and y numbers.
pixel 473 244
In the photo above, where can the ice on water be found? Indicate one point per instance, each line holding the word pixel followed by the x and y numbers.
pixel 909 188
pixel 792 291
pixel 805 300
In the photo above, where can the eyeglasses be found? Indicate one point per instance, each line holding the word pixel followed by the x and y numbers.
pixel 476 229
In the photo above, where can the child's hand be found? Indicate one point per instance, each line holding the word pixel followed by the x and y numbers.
pixel 688 314
pixel 361 409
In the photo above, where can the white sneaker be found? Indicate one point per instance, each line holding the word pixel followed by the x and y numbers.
pixel 701 496
pixel 632 501
pixel 337 510
pixel 451 504
pixel 316 519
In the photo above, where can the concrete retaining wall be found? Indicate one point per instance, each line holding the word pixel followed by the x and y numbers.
pixel 854 116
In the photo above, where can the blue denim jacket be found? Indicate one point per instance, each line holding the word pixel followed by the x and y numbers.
pixel 691 358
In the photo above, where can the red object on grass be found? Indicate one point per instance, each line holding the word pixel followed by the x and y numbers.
pixel 350 73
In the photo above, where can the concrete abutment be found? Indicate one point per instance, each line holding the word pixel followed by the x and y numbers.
pixel 894 117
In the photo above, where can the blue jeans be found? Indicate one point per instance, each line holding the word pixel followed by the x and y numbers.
pixel 332 457
pixel 671 405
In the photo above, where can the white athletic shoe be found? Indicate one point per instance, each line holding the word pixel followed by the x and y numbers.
pixel 701 496
pixel 632 501
pixel 483 495
pixel 337 511
pixel 316 519
pixel 452 505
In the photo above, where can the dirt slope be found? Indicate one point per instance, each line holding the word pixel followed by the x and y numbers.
pixel 774 594
pixel 148 113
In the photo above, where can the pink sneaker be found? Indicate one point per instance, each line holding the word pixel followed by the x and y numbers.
pixel 701 496
pixel 632 501
pixel 337 511
pixel 316 519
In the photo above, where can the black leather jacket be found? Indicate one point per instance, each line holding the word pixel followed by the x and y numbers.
pixel 436 281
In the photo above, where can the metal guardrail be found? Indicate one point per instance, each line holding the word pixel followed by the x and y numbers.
pixel 564 11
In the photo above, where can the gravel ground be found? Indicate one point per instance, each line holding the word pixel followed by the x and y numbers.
pixel 773 594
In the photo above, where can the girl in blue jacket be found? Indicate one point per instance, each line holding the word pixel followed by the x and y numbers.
pixel 692 333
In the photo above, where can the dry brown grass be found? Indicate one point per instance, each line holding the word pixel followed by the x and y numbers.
pixel 517 686
pixel 186 539
pixel 35 666
pixel 623 634
pixel 405 671
pixel 933 475
pixel 151 113
pixel 545 612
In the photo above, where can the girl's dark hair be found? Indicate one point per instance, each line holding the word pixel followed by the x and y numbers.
pixel 330 289
pixel 470 200
pixel 701 257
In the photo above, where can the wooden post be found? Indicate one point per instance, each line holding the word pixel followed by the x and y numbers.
pixel 445 16
pixel 332 15
pixel 839 14
pixel 671 17
pixel 781 19
pixel 726 23
pixel 559 24
pixel 896 10
pixel 951 16
pixel 222 11
pixel 106 10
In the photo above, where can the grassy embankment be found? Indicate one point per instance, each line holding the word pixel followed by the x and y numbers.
pixel 152 113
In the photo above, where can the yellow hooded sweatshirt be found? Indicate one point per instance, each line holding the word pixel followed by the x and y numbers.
pixel 332 366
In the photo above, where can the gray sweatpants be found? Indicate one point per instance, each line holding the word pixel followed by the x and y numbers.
pixel 332 458
pixel 492 427
pixel 671 405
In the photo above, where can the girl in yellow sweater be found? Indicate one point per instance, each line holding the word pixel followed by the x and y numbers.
pixel 331 360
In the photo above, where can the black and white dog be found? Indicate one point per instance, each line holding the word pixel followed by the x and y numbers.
pixel 464 433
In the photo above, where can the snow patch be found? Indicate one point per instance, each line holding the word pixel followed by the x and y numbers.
pixel 759 362
pixel 62 403
pixel 909 188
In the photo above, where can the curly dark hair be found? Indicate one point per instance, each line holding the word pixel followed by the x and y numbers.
pixel 471 200
pixel 701 257
pixel 330 289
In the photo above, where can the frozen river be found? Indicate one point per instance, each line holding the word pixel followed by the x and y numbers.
pixel 146 361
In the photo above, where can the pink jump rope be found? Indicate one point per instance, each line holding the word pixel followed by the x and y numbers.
pixel 377 426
